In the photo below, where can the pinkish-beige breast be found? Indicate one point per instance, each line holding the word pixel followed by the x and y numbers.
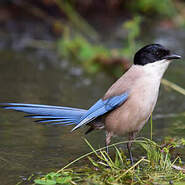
pixel 132 115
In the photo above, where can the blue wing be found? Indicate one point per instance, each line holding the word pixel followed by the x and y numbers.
pixel 101 107
pixel 48 114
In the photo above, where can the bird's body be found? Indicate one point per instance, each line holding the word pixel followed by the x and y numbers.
pixel 125 107
pixel 142 83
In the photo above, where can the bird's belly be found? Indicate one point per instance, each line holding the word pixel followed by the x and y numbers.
pixel 134 113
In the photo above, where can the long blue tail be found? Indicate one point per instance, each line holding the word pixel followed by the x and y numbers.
pixel 52 115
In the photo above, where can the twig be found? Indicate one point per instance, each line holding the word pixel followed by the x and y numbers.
pixel 173 86
pixel 178 168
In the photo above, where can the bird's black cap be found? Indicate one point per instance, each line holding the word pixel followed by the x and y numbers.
pixel 152 53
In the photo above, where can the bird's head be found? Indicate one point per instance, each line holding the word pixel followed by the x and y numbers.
pixel 153 53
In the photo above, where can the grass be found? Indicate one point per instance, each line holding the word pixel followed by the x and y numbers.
pixel 157 166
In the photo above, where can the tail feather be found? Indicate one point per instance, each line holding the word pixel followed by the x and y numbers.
pixel 54 120
pixel 42 117
pixel 48 114
pixel 38 105
pixel 61 124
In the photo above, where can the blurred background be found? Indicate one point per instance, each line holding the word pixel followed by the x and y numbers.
pixel 68 52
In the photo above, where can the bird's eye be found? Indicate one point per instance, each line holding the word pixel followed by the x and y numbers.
pixel 157 53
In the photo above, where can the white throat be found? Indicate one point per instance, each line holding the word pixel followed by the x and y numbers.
pixel 156 69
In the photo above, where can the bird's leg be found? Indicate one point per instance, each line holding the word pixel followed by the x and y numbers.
pixel 108 140
pixel 131 137
pixel 129 151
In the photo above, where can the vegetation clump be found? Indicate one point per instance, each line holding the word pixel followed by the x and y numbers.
pixel 159 166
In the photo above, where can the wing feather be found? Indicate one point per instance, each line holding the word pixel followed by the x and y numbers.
pixel 100 108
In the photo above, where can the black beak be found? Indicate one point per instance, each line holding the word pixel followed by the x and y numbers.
pixel 172 56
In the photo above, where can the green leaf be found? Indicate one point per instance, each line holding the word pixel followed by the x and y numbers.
pixel 45 181
pixel 63 180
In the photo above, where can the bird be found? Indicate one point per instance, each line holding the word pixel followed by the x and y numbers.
pixel 125 107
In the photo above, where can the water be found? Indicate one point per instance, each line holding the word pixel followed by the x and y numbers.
pixel 39 76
